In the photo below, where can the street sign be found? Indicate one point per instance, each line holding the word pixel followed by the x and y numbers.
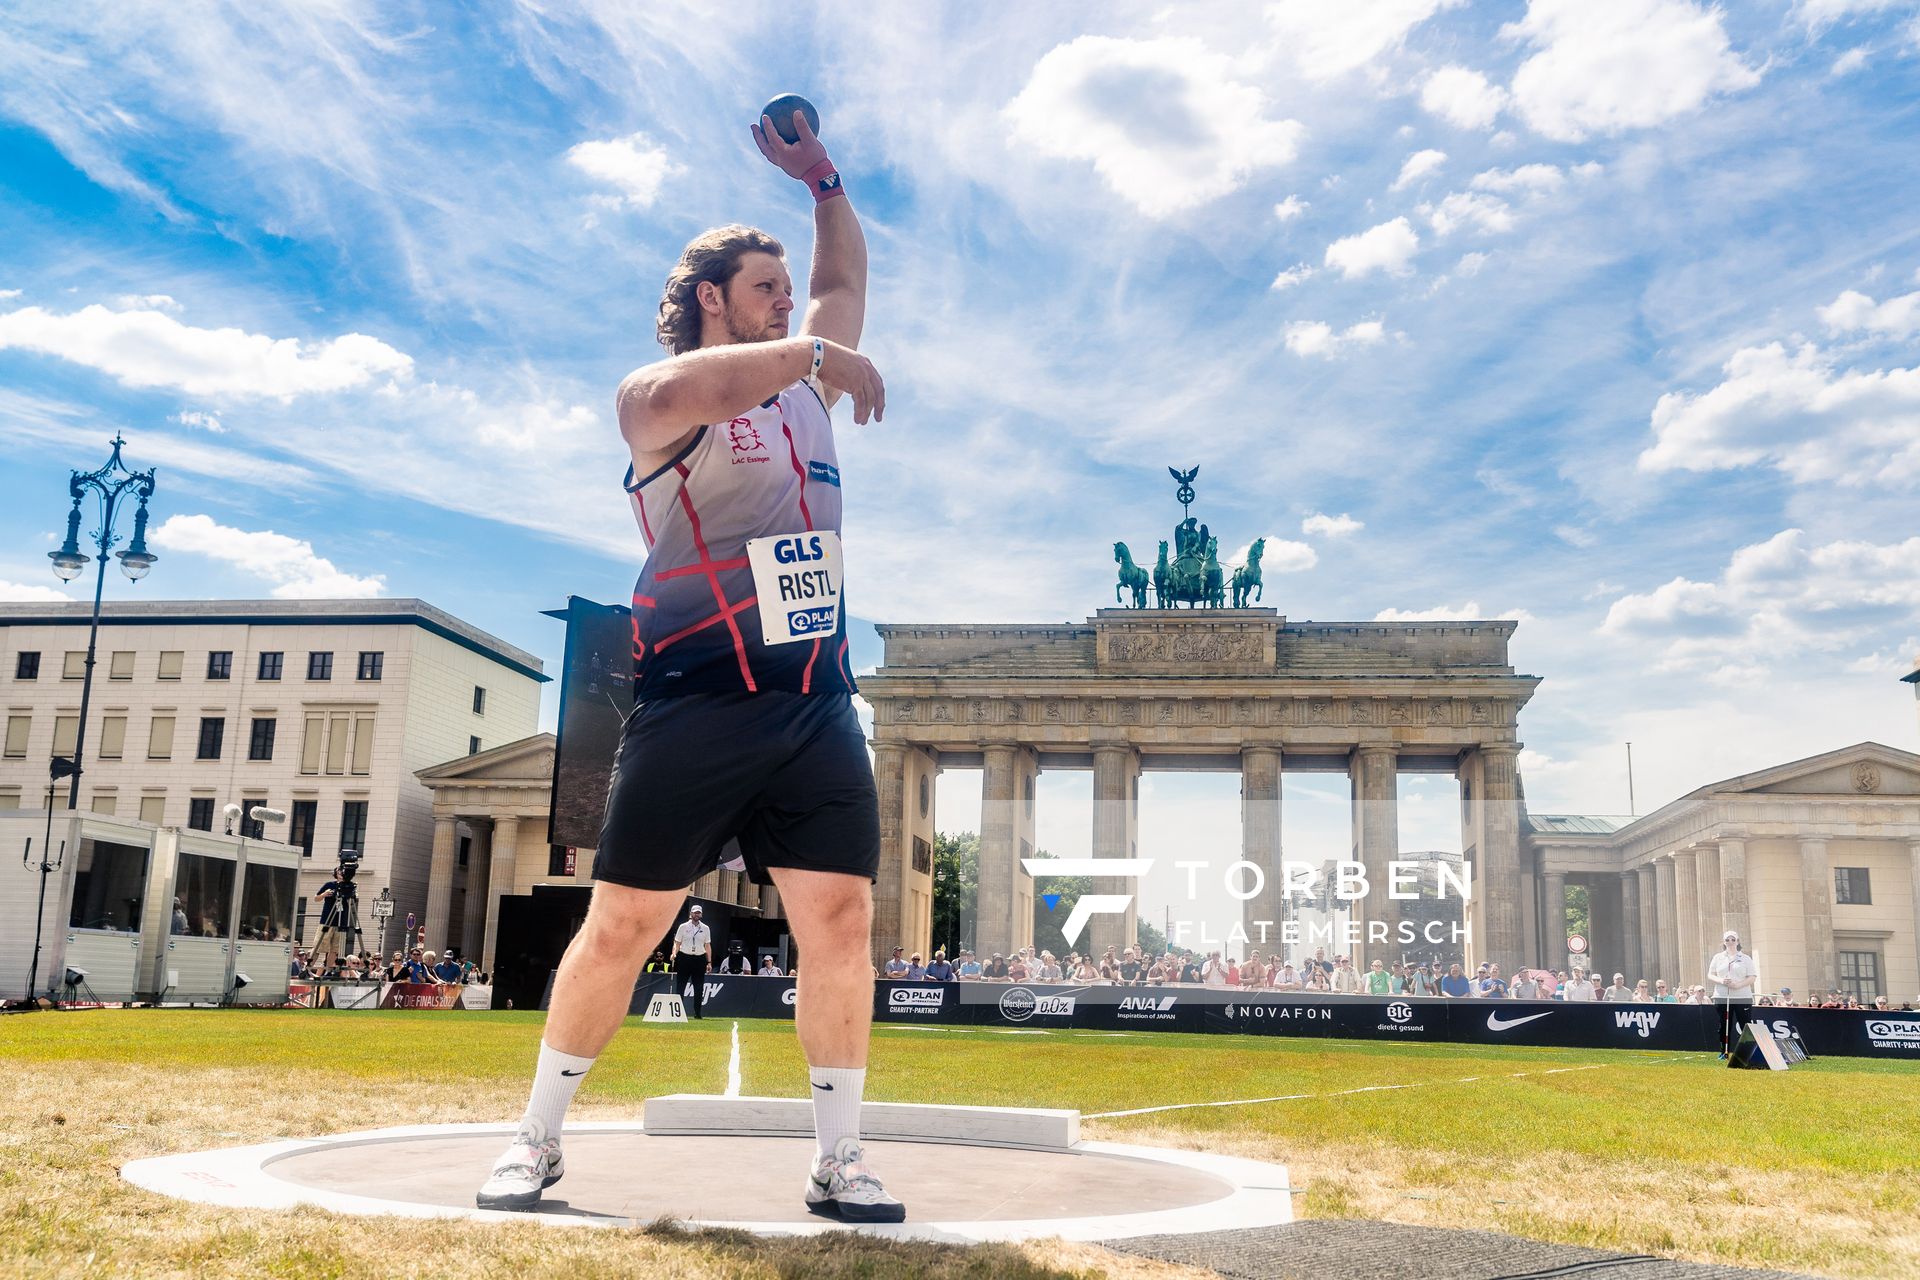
pixel 382 908
pixel 1576 944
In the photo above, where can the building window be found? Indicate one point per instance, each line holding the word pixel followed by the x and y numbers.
pixel 213 732
pixel 353 825
pixel 160 738
pixel 300 921
pixel 260 744
pixel 153 810
pixel 105 802
pixel 120 666
pixel 473 746
pixel 107 886
pixel 479 701
pixel 466 849
pixel 170 663
pixel 66 734
pixel 26 666
pixel 370 664
pixel 300 824
pixel 1860 974
pixel 220 665
pixel 270 665
pixel 200 813
pixel 113 737
pixel 320 666
pixel 1852 887
pixel 203 894
pixel 18 727
pixel 76 665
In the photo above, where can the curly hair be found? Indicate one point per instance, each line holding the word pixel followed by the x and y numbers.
pixel 713 256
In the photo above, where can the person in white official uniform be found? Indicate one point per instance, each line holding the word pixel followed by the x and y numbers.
pixel 692 953
pixel 1735 976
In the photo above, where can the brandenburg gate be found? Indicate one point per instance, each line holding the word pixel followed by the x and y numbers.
pixel 1195 689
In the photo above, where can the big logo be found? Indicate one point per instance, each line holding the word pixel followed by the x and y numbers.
pixel 1089 905
pixel 920 1000
pixel 1641 1020
pixel 1400 1011
pixel 1017 1004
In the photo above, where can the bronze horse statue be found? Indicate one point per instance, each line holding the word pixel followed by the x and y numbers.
pixel 1246 579
pixel 1132 577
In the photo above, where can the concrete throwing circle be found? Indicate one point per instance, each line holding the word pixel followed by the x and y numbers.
pixel 619 1175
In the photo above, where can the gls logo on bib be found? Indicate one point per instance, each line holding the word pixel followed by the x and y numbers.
pixel 797 577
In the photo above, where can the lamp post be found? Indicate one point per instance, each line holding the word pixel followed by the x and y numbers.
pixel 69 561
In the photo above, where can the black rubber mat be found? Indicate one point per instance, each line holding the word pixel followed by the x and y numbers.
pixel 1340 1249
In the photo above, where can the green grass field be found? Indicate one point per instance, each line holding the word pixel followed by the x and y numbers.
pixel 1660 1153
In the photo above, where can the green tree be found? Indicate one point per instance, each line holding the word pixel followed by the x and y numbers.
pixel 956 889
pixel 1047 922
pixel 1152 941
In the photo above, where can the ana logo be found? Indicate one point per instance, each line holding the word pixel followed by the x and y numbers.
pixel 745 439
pixel 1641 1020
pixel 1090 905
pixel 1497 1023
pixel 917 999
pixel 1400 1011
pixel 1147 1006
pixel 790 995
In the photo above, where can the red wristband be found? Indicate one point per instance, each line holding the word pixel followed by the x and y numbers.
pixel 824 181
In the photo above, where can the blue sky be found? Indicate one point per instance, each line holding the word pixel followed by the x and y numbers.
pixel 1603 317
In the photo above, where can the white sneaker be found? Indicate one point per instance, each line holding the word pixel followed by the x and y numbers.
pixel 530 1166
pixel 842 1187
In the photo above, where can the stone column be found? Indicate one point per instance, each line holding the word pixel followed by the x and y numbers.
pixel 1649 894
pixel 1113 771
pixel 1706 862
pixel 500 881
pixel 728 889
pixel 1532 914
pixel 473 929
pixel 770 902
pixel 890 886
pixel 1669 939
pixel 1631 948
pixel 999 795
pixel 1260 844
pixel 440 882
pixel 1553 939
pixel 707 886
pixel 1604 948
pixel 1686 919
pixel 1816 898
pixel 1733 890
pixel 1373 771
pixel 1500 854
pixel 1913 871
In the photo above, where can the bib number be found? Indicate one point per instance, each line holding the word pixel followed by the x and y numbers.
pixel 797 577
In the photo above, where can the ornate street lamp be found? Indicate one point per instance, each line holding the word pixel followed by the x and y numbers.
pixel 69 562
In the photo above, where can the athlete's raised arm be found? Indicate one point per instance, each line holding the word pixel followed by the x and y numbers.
pixel 837 281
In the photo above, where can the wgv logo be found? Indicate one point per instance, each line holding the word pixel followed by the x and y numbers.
pixel 1090 905
pixel 1641 1020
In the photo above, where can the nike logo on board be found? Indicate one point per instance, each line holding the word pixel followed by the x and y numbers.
pixel 1497 1023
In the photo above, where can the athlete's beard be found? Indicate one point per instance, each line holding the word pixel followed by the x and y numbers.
pixel 738 332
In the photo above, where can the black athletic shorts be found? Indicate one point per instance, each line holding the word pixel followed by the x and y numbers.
pixel 785 774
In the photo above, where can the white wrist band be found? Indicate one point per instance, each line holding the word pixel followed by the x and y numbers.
pixel 819 354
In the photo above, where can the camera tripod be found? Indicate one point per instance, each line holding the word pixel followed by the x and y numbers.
pixel 345 920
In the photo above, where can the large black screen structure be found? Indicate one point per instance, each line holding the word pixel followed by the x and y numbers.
pixel 596 693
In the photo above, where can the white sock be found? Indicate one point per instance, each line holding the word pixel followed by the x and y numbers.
pixel 554 1081
pixel 836 1105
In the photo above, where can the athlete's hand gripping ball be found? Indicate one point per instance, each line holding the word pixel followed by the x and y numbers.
pixel 794 158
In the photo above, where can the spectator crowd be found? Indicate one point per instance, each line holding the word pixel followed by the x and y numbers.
pixel 416 965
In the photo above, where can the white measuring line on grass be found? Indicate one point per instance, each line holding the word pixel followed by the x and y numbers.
pixel 733 1066
pixel 1337 1093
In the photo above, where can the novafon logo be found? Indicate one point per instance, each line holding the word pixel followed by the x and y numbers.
pixel 1090 905
pixel 1280 1012
pixel 1641 1020
pixel 917 999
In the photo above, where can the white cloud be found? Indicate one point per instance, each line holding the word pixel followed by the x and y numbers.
pixel 1465 209
pixel 1798 413
pixel 1470 264
pixel 1318 338
pixel 1419 165
pixel 1330 37
pixel 21 592
pixel 1624 64
pixel 1290 208
pixel 289 563
pixel 1470 611
pixel 1527 179
pixel 1331 526
pixel 147 348
pixel 1824 13
pixel 1853 312
pixel 1849 62
pixel 146 302
pixel 1292 276
pixel 1280 555
pixel 1388 247
pixel 1463 97
pixel 635 165
pixel 8 293
pixel 1165 123
pixel 204 421
pixel 1776 600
